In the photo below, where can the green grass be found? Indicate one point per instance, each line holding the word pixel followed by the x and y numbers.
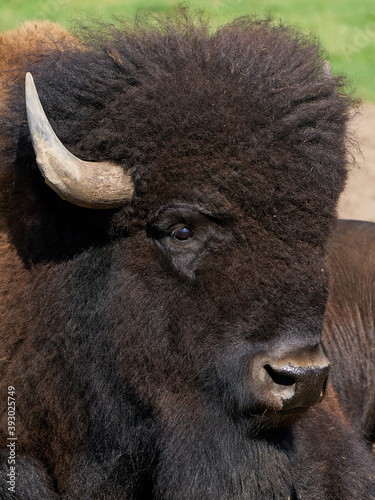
pixel 346 28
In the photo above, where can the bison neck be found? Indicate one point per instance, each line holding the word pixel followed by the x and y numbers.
pixel 212 457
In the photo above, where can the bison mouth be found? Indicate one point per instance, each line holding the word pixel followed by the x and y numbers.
pixel 270 419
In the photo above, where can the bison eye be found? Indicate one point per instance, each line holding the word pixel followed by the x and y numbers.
pixel 182 233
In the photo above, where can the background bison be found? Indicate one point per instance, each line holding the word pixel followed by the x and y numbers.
pixel 169 347
pixel 349 323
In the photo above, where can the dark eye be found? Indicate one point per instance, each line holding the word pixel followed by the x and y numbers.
pixel 182 233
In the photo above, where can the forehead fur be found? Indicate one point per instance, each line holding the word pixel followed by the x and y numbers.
pixel 245 110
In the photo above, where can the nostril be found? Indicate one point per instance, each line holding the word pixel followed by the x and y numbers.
pixel 324 386
pixel 279 378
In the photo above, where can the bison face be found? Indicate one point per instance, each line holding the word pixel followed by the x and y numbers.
pixel 222 306
pixel 218 282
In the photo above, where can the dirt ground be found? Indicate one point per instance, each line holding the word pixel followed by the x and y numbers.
pixel 358 198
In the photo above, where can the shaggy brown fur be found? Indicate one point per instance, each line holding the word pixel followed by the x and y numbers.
pixel 130 350
pixel 29 42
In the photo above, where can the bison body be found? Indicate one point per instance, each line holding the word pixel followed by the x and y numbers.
pixel 169 347
pixel 349 332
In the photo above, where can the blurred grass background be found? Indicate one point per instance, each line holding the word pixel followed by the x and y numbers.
pixel 346 28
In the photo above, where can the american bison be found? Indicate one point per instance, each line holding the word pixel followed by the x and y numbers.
pixel 163 303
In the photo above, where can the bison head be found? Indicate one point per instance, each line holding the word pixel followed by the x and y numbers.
pixel 225 165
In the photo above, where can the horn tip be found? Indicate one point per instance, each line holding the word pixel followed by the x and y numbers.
pixel 30 88
pixel 29 77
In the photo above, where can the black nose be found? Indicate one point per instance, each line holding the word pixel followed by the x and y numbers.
pixel 291 382
pixel 297 386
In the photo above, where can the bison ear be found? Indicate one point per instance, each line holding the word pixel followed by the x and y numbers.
pixel 327 72
pixel 84 183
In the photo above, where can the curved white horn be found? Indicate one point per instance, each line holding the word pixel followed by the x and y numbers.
pixel 84 183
